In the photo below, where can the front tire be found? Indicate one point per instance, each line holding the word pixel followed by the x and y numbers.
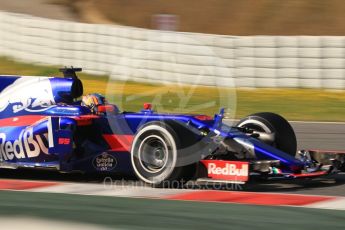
pixel 285 138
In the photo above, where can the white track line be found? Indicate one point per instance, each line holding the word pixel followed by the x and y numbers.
pixel 336 204
pixel 109 190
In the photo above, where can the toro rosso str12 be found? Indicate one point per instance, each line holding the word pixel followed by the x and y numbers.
pixel 45 125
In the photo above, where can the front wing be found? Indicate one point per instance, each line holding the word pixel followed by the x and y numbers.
pixel 329 162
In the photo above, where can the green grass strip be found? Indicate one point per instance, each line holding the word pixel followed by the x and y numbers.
pixel 294 104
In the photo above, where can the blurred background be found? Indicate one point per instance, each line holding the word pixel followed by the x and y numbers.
pixel 249 55
pixel 234 17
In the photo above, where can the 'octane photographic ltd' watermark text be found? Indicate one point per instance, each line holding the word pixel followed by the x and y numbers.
pixel 123 184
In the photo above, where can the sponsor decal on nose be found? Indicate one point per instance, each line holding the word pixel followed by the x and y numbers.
pixel 227 170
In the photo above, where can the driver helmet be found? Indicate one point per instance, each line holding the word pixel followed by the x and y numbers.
pixel 92 101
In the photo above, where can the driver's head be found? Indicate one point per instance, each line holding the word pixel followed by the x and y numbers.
pixel 92 101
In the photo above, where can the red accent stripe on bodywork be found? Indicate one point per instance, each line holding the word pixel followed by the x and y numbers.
pixel 313 174
pixel 20 120
pixel 106 108
pixel 24 185
pixel 203 118
pixel 27 120
pixel 85 120
pixel 250 198
pixel 119 142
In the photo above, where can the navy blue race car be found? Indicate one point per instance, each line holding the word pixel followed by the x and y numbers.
pixel 46 123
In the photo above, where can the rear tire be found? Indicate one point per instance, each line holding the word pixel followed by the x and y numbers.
pixel 159 156
pixel 285 138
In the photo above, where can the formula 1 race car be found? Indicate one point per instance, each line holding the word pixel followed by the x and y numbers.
pixel 44 125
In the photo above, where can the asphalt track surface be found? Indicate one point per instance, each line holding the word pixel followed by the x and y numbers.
pixel 320 135
pixel 311 135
